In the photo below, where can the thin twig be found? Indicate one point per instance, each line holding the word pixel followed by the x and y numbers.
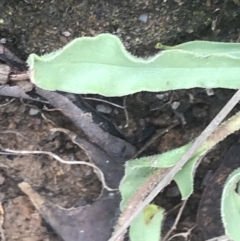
pixel 174 226
pixel 20 76
pixel 5 104
pixel 104 101
pixel 183 234
pixel 58 158
pixel 175 169
pixel 220 16
pixel 125 111
pixel 1 223
pixel 220 238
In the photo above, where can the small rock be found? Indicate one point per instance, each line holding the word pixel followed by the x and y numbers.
pixel 175 105
pixel 210 92
pixel 25 179
pixel 3 40
pixel 66 33
pixel 33 111
pixel 143 17
pixel 104 108
pixel 160 96
pixel 163 96
pixel 111 195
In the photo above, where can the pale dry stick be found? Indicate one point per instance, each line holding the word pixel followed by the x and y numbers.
pixel 220 238
pixel 175 169
pixel 73 137
pixel 125 111
pixel 185 234
pixel 58 158
pixel 47 119
pixel 8 153
pixel 52 109
pixel 5 104
pixel 64 112
pixel 174 226
pixel 104 101
pixel 174 208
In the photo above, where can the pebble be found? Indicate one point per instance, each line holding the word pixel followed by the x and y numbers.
pixel 3 40
pixel 162 96
pixel 210 92
pixel 143 17
pixel 175 105
pixel 25 179
pixel 66 33
pixel 104 108
pixel 33 111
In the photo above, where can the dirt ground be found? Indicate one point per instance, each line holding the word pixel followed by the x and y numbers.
pixel 39 26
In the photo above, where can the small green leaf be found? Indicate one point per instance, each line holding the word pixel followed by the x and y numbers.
pixel 137 171
pixel 147 226
pixel 185 177
pixel 205 47
pixel 101 65
pixel 131 182
pixel 230 206
pixel 166 159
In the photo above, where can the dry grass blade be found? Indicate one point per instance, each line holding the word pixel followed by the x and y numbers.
pixel 104 101
pixel 220 238
pixel 176 221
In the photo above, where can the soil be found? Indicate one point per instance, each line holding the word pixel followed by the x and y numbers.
pixel 39 26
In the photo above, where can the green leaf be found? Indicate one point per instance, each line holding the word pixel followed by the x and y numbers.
pixel 131 182
pixel 230 206
pixel 137 171
pixel 166 159
pixel 147 226
pixel 185 177
pixel 101 65
pixel 206 47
